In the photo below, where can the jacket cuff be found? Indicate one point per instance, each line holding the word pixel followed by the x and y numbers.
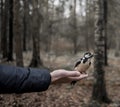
pixel 41 79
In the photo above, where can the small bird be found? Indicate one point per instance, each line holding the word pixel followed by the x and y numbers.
pixel 83 64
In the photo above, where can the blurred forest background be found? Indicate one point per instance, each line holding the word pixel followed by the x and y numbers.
pixel 54 34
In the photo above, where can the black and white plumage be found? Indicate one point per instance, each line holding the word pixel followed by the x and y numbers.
pixel 83 64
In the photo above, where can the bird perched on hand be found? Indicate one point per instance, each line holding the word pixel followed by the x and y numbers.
pixel 83 64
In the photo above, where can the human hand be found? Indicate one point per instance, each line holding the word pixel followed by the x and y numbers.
pixel 65 76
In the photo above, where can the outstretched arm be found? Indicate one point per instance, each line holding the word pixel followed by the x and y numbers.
pixel 24 80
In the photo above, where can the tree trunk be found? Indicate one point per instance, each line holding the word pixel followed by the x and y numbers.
pixel 24 33
pixel 10 49
pixel 36 21
pixel 117 51
pixel 36 61
pixel 1 6
pixel 99 93
pixel 25 25
pixel 47 29
pixel 105 32
pixel 4 31
pixel 75 28
pixel 18 33
pixel 87 25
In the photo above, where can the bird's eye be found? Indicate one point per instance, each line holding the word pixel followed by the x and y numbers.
pixel 85 60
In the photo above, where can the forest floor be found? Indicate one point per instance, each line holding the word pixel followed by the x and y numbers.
pixel 62 95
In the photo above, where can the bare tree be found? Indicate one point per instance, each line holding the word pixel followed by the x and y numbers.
pixel 105 3
pixel 4 30
pixel 46 27
pixel 75 28
pixel 117 49
pixel 25 23
pixel 73 23
pixel 10 42
pixel 36 25
pixel 1 4
pixel 99 89
pixel 87 25
pixel 18 33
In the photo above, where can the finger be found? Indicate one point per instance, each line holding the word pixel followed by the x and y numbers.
pixel 73 73
pixel 79 77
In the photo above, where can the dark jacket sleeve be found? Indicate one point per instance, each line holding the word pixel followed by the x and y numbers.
pixel 23 80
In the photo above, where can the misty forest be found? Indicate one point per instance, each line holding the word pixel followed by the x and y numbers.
pixel 54 34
